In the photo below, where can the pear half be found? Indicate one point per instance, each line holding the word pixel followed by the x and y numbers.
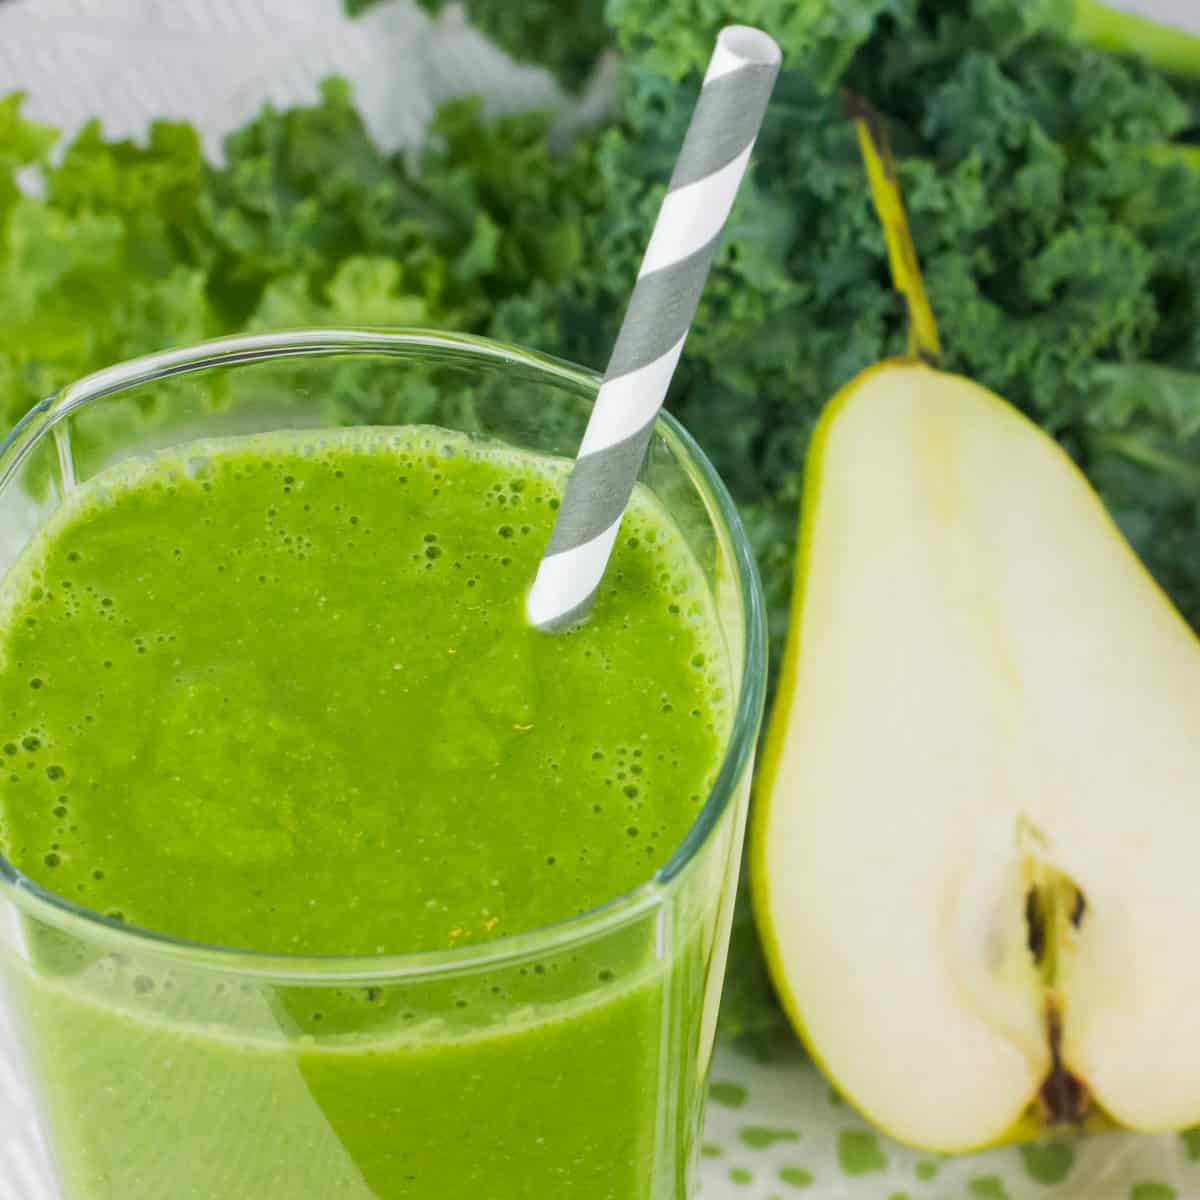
pixel 977 838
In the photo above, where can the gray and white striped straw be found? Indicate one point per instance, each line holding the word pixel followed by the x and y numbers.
pixel 710 168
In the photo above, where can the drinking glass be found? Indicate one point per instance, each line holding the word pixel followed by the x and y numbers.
pixel 567 1061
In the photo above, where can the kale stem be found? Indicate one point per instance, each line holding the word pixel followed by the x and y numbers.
pixel 1147 456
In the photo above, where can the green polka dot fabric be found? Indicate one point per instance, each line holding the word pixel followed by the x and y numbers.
pixel 778 1131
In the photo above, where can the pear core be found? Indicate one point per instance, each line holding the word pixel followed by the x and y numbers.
pixel 977 836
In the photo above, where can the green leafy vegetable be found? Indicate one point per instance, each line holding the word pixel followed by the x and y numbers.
pixel 1055 209
pixel 1053 190
pixel 132 248
pixel 676 38
pixel 103 267
pixel 566 35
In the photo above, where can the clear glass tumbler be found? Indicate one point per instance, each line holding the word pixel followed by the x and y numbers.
pixel 565 1062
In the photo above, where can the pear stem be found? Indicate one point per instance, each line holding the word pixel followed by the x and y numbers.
pixel 905 267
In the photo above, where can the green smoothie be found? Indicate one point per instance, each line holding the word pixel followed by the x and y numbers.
pixel 278 694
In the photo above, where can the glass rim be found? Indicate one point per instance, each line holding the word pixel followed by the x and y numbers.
pixel 41 902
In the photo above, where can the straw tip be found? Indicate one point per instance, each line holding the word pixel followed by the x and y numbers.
pixel 539 613
pixel 544 614
pixel 556 601
pixel 750 45
pixel 544 607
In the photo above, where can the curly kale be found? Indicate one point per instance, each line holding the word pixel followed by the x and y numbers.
pixel 566 35
pixel 1053 191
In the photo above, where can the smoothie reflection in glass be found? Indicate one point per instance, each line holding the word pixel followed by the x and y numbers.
pixel 321 873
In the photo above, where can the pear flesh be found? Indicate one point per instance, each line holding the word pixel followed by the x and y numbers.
pixel 977 842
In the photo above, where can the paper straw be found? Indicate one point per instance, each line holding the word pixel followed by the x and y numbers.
pixel 712 162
